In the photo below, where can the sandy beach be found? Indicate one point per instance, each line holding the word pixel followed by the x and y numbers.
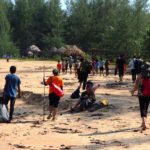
pixel 115 127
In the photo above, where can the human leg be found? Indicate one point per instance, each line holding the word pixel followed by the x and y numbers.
pixel 144 103
pixel 6 101
pixel 84 81
pixel 50 105
pixel 55 106
pixel 12 104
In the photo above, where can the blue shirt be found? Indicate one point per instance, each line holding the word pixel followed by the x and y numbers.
pixel 12 83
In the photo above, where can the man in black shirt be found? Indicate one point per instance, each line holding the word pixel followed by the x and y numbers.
pixel 120 64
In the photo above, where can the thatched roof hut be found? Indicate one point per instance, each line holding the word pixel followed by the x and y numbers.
pixel 70 50
pixel 34 49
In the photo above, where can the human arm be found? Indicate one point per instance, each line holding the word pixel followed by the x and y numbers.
pixel 19 91
pixel 95 87
pixel 136 85
pixel 48 81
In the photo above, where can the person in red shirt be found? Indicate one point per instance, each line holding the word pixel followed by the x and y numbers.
pixel 59 66
pixel 53 97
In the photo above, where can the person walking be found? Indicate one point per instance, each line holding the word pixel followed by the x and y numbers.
pixel 12 86
pixel 142 85
pixel 53 97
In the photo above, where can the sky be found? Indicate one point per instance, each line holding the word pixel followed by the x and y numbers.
pixel 62 3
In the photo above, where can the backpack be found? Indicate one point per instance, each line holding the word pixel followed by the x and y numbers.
pixel 145 86
pixel 137 65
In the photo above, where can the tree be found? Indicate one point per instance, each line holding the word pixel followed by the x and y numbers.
pixel 78 23
pixel 140 23
pixel 146 44
pixel 6 44
pixel 52 24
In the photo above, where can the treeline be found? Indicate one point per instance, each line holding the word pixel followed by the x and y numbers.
pixel 114 26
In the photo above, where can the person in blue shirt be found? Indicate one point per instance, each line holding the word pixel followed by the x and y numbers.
pixel 12 86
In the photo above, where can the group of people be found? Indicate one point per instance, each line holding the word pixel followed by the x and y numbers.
pixel 135 66
pixel 67 63
pixel 96 65
pixel 142 84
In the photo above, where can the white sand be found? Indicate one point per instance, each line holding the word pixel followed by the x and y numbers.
pixel 114 128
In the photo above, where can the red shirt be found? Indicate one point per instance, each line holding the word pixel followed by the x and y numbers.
pixel 59 66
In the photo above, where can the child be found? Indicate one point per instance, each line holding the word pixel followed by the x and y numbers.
pixel 53 97
pixel 59 66
pixel 10 90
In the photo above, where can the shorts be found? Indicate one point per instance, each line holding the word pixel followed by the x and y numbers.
pixel 101 68
pixel 53 100
pixel 82 76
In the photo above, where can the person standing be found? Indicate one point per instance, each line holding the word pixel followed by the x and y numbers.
pixel 97 65
pixel 71 61
pixel 76 67
pixel 107 67
pixel 53 97
pixel 12 86
pixel 132 67
pixel 101 66
pixel 66 65
pixel 120 64
pixel 59 66
pixel 63 66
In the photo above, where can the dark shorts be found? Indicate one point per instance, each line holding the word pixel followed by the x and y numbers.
pixel 53 100
pixel 101 68
pixel 82 76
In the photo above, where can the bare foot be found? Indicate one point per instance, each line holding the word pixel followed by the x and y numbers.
pixel 53 119
pixel 49 116
pixel 143 128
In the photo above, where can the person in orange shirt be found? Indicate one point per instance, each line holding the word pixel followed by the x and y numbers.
pixel 59 66
pixel 53 97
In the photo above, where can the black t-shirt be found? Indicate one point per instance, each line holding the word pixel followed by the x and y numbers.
pixel 120 63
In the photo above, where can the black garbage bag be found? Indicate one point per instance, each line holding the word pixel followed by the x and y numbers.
pixel 76 94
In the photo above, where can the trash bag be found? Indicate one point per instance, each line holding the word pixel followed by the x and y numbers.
pixel 4 115
pixel 76 94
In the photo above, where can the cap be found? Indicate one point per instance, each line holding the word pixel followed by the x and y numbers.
pixel 55 71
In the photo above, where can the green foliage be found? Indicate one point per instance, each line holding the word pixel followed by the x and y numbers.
pixel 114 26
pixel 146 44
pixel 6 45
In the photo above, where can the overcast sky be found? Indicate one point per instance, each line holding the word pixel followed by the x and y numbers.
pixel 64 6
pixel 62 3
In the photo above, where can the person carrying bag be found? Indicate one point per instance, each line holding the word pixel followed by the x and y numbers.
pixel 55 93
